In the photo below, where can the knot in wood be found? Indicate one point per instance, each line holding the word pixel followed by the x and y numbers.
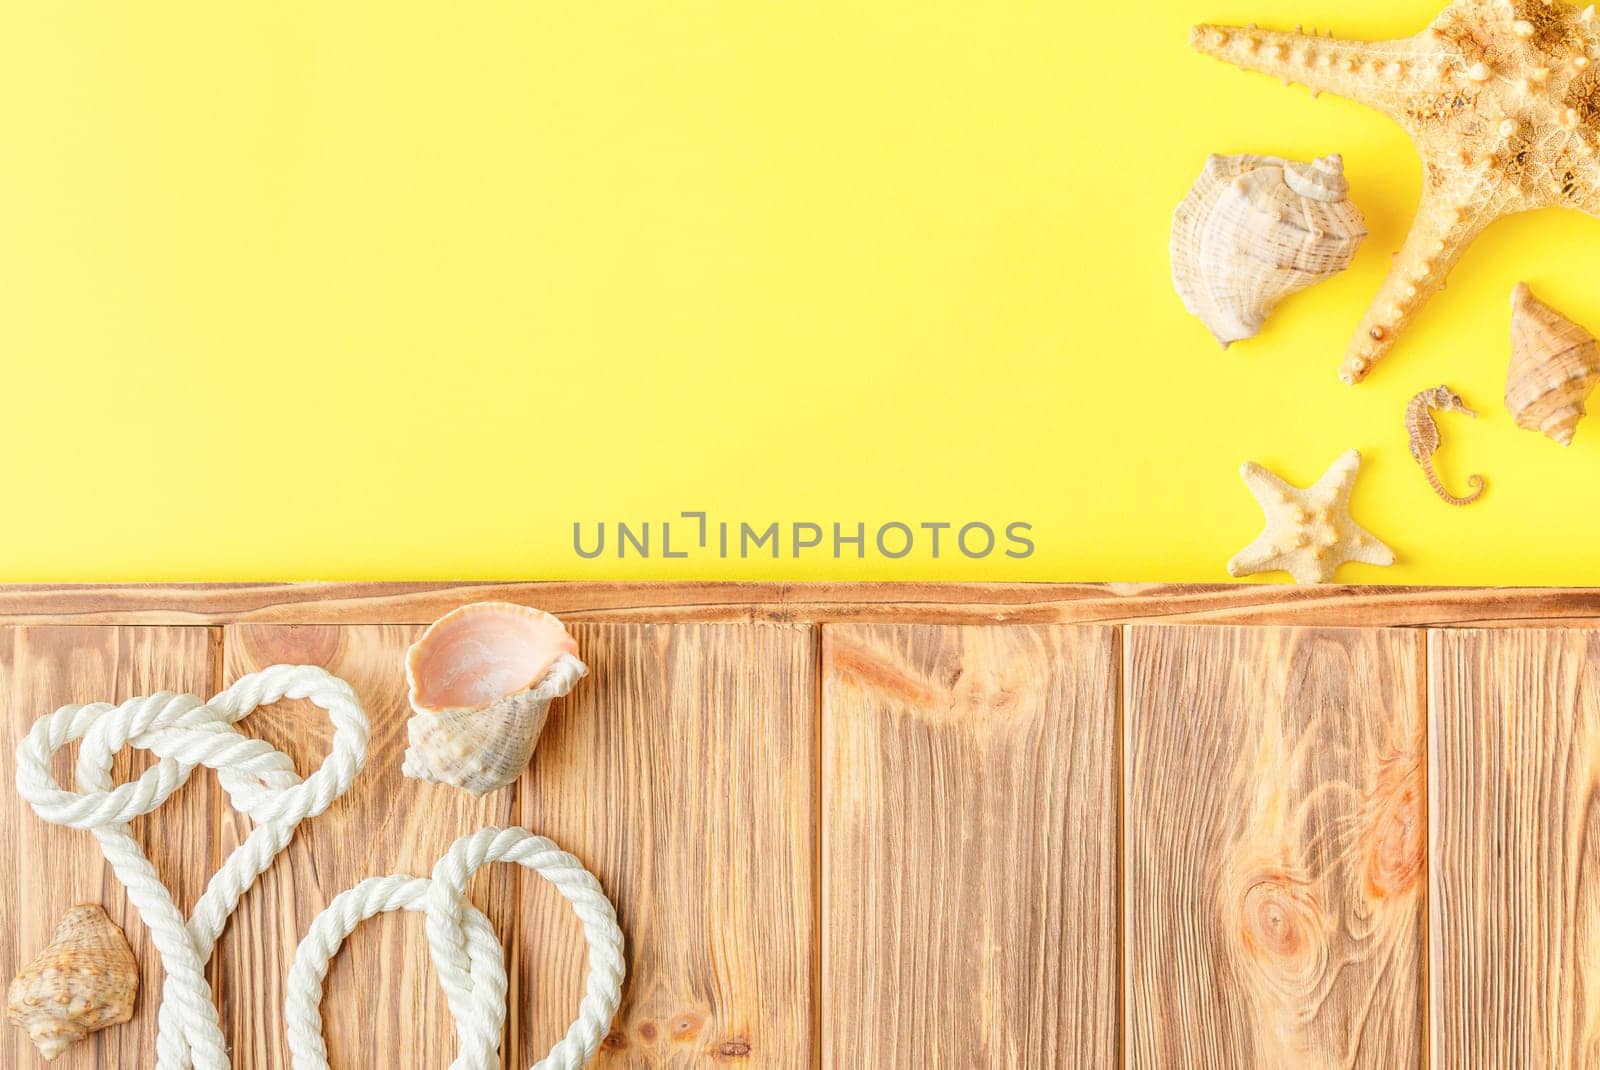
pixel 1284 932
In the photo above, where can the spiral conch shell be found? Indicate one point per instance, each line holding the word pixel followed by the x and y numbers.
pixel 1255 229
pixel 86 979
pixel 1554 367
pixel 481 681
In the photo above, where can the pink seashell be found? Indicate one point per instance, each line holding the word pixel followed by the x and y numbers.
pixel 481 681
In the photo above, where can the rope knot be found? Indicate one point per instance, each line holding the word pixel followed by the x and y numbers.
pixel 466 952
pixel 183 732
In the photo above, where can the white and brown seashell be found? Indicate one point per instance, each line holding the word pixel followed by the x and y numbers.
pixel 1554 367
pixel 1255 229
pixel 481 681
pixel 86 979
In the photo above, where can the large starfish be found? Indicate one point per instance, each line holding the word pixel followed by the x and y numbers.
pixel 1501 97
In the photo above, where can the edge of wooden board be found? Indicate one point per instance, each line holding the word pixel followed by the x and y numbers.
pixel 809 603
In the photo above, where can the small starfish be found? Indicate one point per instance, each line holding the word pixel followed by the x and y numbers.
pixel 1309 532
pixel 1502 99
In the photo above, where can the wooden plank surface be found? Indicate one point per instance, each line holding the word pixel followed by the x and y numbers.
pixel 48 868
pixel 969 829
pixel 682 773
pixel 1274 848
pixel 1273 783
pixel 1514 921
pixel 815 603
pixel 382 1000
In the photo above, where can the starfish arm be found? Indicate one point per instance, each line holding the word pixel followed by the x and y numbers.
pixel 1368 549
pixel 1267 488
pixel 1446 223
pixel 1336 482
pixel 1259 556
pixel 1371 73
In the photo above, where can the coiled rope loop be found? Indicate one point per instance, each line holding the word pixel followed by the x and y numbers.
pixel 465 951
pixel 183 733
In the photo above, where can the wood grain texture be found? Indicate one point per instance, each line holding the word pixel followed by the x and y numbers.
pixel 816 603
pixel 1514 923
pixel 1273 848
pixel 682 772
pixel 382 999
pixel 46 869
pixel 1273 787
pixel 969 830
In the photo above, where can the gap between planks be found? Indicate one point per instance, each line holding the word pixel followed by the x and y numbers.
pixel 819 884
pixel 1119 651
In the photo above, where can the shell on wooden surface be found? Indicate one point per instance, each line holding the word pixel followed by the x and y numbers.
pixel 1255 229
pixel 1554 367
pixel 84 980
pixel 481 680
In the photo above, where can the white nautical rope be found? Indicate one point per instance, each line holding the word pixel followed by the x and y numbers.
pixel 465 951
pixel 184 732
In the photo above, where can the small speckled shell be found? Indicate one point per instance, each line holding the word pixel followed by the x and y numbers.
pixel 86 979
pixel 1255 229
pixel 1554 367
pixel 481 680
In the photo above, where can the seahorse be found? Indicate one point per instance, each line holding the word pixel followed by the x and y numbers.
pixel 1425 437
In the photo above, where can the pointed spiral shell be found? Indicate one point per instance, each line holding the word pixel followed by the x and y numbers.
pixel 1554 367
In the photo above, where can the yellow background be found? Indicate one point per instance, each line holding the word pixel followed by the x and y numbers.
pixel 349 290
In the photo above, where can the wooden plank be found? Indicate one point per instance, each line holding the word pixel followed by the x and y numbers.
pixel 1514 925
pixel 1273 848
pixel 381 998
pixel 682 772
pixel 969 828
pixel 45 869
pixel 816 603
